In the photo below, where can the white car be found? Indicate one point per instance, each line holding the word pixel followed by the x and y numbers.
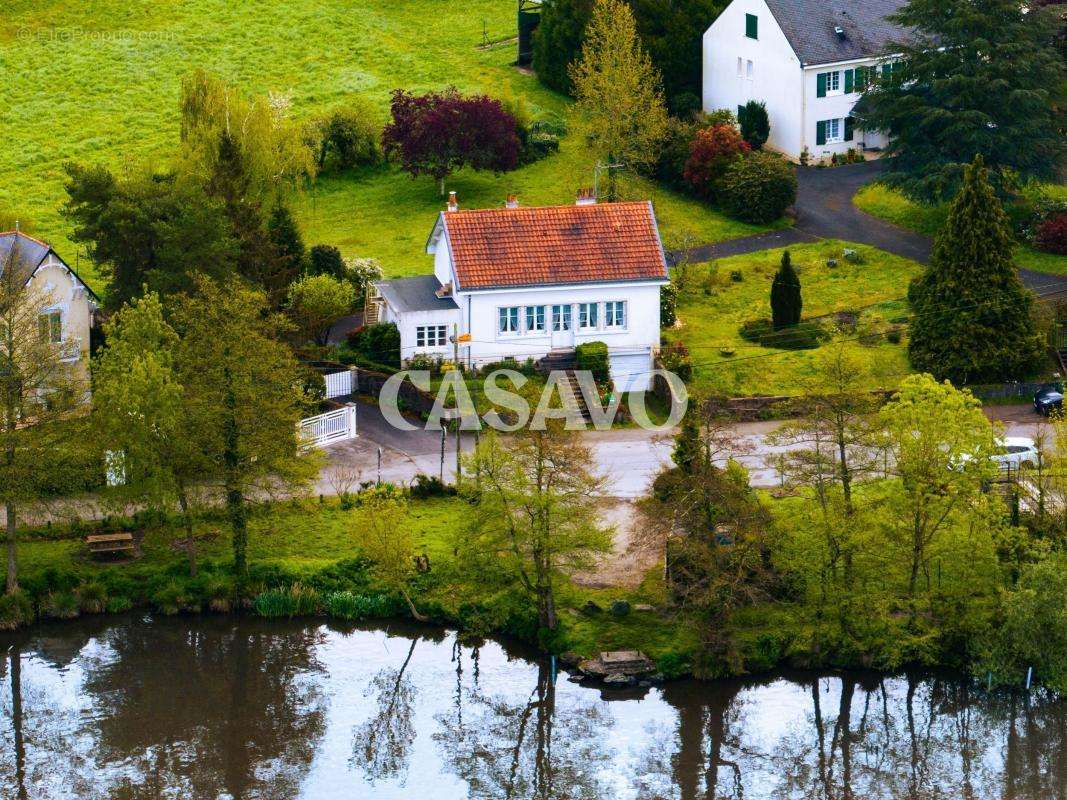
pixel 1016 452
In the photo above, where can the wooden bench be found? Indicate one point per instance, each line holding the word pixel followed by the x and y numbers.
pixel 102 543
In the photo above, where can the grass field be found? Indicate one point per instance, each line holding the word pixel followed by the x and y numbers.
pixel 98 81
pixel 714 306
pixel 890 205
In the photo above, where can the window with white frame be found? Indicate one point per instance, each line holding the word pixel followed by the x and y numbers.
pixel 431 335
pixel 748 69
pixel 561 317
pixel 615 314
pixel 740 66
pixel 833 83
pixel 50 325
pixel 587 315
pixel 834 131
pixel 509 319
pixel 535 319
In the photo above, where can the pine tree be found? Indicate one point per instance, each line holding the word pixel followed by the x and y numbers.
pixel 972 316
pixel 786 302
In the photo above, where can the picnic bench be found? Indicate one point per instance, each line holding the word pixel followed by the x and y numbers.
pixel 104 543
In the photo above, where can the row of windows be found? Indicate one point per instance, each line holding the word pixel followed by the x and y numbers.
pixel 745 68
pixel 847 81
pixel 536 319
pixel 431 335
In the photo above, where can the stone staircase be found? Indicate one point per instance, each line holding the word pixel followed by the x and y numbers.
pixel 564 361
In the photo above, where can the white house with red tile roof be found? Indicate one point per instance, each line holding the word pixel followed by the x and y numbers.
pixel 519 282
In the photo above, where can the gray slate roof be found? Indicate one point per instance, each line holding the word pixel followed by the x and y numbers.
pixel 31 252
pixel 415 294
pixel 809 27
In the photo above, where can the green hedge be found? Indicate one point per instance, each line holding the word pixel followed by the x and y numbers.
pixel 593 356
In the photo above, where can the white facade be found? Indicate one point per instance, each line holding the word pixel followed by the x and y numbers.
pixel 739 67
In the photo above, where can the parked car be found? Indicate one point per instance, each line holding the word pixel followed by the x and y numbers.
pixel 1048 399
pixel 1015 452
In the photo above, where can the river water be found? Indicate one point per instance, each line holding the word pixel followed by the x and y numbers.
pixel 220 707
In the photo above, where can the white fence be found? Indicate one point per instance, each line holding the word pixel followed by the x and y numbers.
pixel 340 384
pixel 334 426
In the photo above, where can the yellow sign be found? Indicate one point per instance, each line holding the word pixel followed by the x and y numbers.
pixel 463 338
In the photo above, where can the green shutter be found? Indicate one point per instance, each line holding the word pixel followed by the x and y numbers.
pixel 751 26
pixel 887 71
pixel 861 79
pixel 820 85
pixel 850 81
pixel 820 132
pixel 849 126
pixel 740 113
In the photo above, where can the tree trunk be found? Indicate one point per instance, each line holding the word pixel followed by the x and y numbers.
pixel 235 499
pixel 12 549
pixel 190 542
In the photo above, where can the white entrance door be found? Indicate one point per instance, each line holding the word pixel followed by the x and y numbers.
pixel 562 327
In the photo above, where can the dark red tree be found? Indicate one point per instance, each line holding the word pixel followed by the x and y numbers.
pixel 439 132
pixel 710 153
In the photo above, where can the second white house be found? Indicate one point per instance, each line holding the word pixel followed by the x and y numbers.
pixel 809 61
pixel 523 283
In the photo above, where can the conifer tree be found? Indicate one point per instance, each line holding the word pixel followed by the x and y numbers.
pixel 786 302
pixel 972 316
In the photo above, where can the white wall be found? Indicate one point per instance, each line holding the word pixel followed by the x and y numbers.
pixel 834 107
pixel 642 324
pixel 776 72
pixel 407 322
pixel 66 294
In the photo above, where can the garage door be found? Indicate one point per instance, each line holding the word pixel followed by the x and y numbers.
pixel 630 370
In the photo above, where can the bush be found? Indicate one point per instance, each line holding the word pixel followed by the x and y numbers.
pixel 1051 235
pixel 593 357
pixel 668 305
pixel 674 153
pixel 60 605
pixel 675 358
pixel 425 486
pixel 713 150
pixel 348 137
pixel 540 139
pixel 296 600
pixel 175 597
pixel 558 41
pixel 325 259
pixel 685 105
pixel 377 343
pixel 755 125
pixel 356 607
pixel 759 188
pixel 16 610
pixel 93 597
pixel 805 336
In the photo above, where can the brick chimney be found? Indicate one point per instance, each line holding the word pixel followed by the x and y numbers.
pixel 586 197
pixel 512 201
pixel 453 203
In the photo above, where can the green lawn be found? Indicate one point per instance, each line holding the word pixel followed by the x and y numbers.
pixel 715 305
pixel 99 81
pixel 892 206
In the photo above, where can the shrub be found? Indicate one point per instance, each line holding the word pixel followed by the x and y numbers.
pixel 60 605
pixel 93 597
pixel 296 600
pixel 711 152
pixel 377 343
pixel 685 105
pixel 16 610
pixel 675 358
pixel 674 153
pixel 325 259
pixel 356 607
pixel 219 592
pixel 347 137
pixel 668 305
pixel 805 336
pixel 759 188
pixel 540 139
pixel 425 486
pixel 1051 234
pixel 593 356
pixel 175 598
pixel 558 41
pixel 755 125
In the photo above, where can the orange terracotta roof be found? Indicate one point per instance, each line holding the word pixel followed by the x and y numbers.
pixel 605 242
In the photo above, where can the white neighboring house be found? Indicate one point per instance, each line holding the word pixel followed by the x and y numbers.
pixel 809 61
pixel 524 283
pixel 68 316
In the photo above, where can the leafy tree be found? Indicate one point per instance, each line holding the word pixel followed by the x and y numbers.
pixel 361 273
pixel 379 344
pixel 39 394
pixel 244 387
pixel 786 301
pixel 672 31
pixel 534 511
pixel 758 188
pixel 318 301
pixel 138 413
pixel 711 151
pixel 940 446
pixel 975 78
pixel 619 93
pixel 558 41
pixel 155 230
pixel 325 259
pixel 440 132
pixel 385 538
pixel 755 125
pixel 972 316
pixel 348 136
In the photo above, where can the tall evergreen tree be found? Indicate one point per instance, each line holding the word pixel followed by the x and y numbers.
pixel 972 316
pixel 786 302
pixel 975 77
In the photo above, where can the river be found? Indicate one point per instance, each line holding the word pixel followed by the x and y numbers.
pixel 226 707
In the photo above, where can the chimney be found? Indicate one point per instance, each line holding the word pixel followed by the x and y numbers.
pixel 512 201
pixel 839 31
pixel 586 197
pixel 453 203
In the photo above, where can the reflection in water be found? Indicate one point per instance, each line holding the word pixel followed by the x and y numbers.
pixel 210 707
